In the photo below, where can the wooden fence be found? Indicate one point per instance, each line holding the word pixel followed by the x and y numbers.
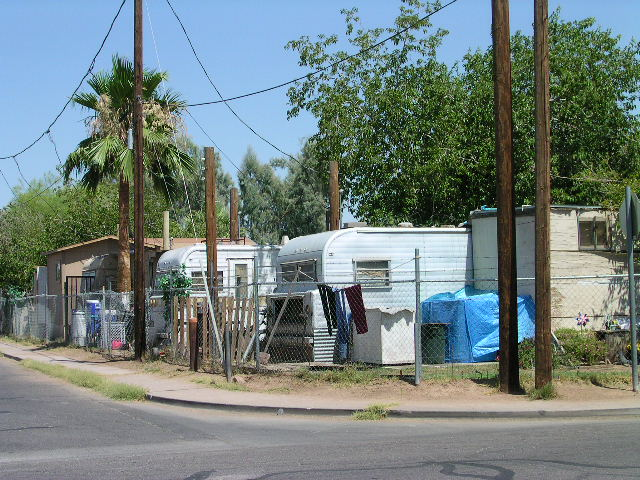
pixel 237 313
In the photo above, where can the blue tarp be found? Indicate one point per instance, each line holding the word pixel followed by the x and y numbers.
pixel 472 321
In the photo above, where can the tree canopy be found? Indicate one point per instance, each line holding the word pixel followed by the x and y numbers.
pixel 273 206
pixel 36 222
pixel 415 137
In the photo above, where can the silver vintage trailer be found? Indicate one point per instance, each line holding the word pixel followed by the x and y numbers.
pixel 362 255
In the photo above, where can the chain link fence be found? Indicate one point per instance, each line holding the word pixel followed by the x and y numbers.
pixel 286 325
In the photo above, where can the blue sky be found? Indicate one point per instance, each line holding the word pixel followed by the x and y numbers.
pixel 46 46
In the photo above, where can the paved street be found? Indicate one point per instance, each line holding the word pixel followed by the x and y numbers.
pixel 50 430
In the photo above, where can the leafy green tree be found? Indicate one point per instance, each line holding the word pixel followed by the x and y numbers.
pixel 37 222
pixel 105 156
pixel 263 202
pixel 415 138
pixel 305 193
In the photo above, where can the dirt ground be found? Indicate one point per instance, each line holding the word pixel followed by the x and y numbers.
pixel 377 390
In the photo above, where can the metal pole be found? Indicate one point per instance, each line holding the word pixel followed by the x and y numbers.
pixel 334 196
pixel 632 289
pixel 256 305
pixel 139 293
pixel 417 326
pixel 102 318
pixel 507 275
pixel 65 327
pixel 544 353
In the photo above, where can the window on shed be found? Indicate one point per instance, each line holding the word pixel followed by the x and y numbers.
pixel 306 271
pixel 593 233
pixel 369 271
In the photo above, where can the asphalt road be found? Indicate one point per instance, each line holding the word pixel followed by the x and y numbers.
pixel 50 430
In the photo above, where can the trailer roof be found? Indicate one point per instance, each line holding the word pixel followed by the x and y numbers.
pixel 318 241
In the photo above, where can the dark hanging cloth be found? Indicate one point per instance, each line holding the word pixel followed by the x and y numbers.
pixel 356 304
pixel 344 324
pixel 328 298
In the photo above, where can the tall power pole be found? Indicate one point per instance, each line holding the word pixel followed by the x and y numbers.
pixel 543 195
pixel 138 182
pixel 212 226
pixel 334 196
pixel 234 227
pixel 507 274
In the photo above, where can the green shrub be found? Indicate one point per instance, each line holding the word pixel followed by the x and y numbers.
pixel 581 347
pixel 547 392
pixel 527 353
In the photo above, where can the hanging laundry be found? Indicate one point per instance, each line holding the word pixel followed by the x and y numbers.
pixel 356 304
pixel 344 324
pixel 328 299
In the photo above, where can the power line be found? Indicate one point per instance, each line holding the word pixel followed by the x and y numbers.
pixel 88 72
pixel 20 172
pixel 6 181
pixel 222 98
pixel 212 140
pixel 323 69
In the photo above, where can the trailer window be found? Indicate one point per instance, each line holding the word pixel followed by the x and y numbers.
pixel 306 271
pixel 369 271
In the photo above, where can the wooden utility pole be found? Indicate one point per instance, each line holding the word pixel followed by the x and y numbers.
pixel 334 196
pixel 543 195
pixel 212 226
pixel 138 197
pixel 234 227
pixel 507 274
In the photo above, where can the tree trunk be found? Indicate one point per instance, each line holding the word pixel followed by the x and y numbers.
pixel 124 255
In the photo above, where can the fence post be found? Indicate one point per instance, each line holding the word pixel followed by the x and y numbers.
pixel 65 314
pixel 256 306
pixel 417 326
pixel 632 290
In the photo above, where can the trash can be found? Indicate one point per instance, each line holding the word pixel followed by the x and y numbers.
pixel 434 342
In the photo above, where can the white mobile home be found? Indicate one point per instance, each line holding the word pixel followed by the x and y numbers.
pixel 361 255
pixel 235 266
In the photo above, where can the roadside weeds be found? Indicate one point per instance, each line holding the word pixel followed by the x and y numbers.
pixel 377 411
pixel 89 380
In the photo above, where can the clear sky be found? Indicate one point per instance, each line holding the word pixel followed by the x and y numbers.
pixel 46 46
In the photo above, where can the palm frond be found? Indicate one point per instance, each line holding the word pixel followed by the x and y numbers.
pixel 86 99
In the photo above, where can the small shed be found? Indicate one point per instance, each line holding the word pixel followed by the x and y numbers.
pixel 587 260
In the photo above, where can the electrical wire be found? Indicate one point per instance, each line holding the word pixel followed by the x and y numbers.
pixel 64 107
pixel 212 140
pixel 206 73
pixel 330 66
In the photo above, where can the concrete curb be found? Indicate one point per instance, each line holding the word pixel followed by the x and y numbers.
pixel 392 412
pixel 397 413
pixel 12 357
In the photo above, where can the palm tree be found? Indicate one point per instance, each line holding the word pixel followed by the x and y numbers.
pixel 105 156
